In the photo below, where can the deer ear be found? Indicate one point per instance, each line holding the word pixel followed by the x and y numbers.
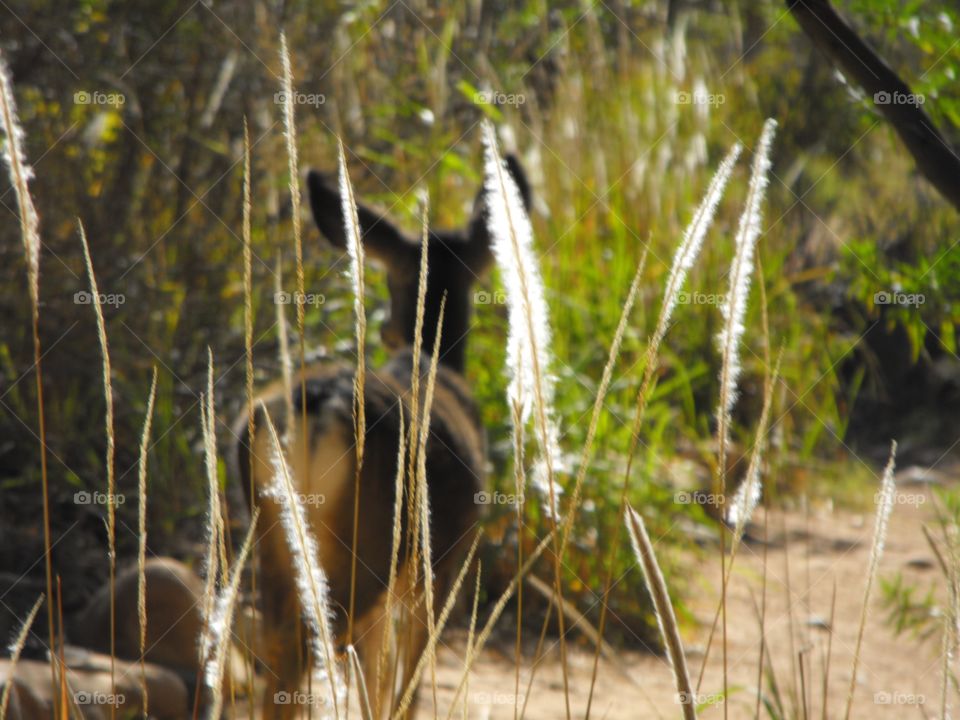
pixel 381 238
pixel 478 234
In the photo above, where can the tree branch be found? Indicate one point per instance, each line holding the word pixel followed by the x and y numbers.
pixel 831 34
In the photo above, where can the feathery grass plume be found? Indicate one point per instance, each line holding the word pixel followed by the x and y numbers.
pixel 20 174
pixel 290 135
pixel 531 386
pixel 111 450
pixel 884 500
pixel 666 620
pixel 528 343
pixel 495 614
pixel 16 647
pixel 423 496
pixel 312 587
pixel 431 649
pixel 214 562
pixel 355 251
pixel 734 306
pixel 142 533
pixel 683 260
pixel 286 361
pixel 733 310
pixel 221 622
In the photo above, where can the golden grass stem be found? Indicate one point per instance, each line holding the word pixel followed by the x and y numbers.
pixel 109 460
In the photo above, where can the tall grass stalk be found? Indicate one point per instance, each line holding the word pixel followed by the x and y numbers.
pixel 683 260
pixel 431 650
pixel 286 361
pixel 312 587
pixel 248 368
pixel 213 564
pixel 531 385
pixel 20 174
pixel 745 501
pixel 221 624
pixel 355 251
pixel 423 496
pixel 109 460
pixel 885 498
pixel 733 310
pixel 663 609
pixel 142 536
pixel 394 563
pixel 16 647
pixel 366 710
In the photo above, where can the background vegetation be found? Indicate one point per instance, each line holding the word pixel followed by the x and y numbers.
pixel 620 111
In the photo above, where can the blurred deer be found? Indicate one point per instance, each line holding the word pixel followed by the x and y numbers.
pixel 322 455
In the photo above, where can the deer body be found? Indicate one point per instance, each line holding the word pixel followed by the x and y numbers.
pixel 322 458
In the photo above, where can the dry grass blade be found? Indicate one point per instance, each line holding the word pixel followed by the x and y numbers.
pixel 355 251
pixel 142 536
pixel 109 460
pixel 431 648
pixel 20 174
pixel 221 623
pixel 311 581
pixel 885 498
pixel 16 647
pixel 666 620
